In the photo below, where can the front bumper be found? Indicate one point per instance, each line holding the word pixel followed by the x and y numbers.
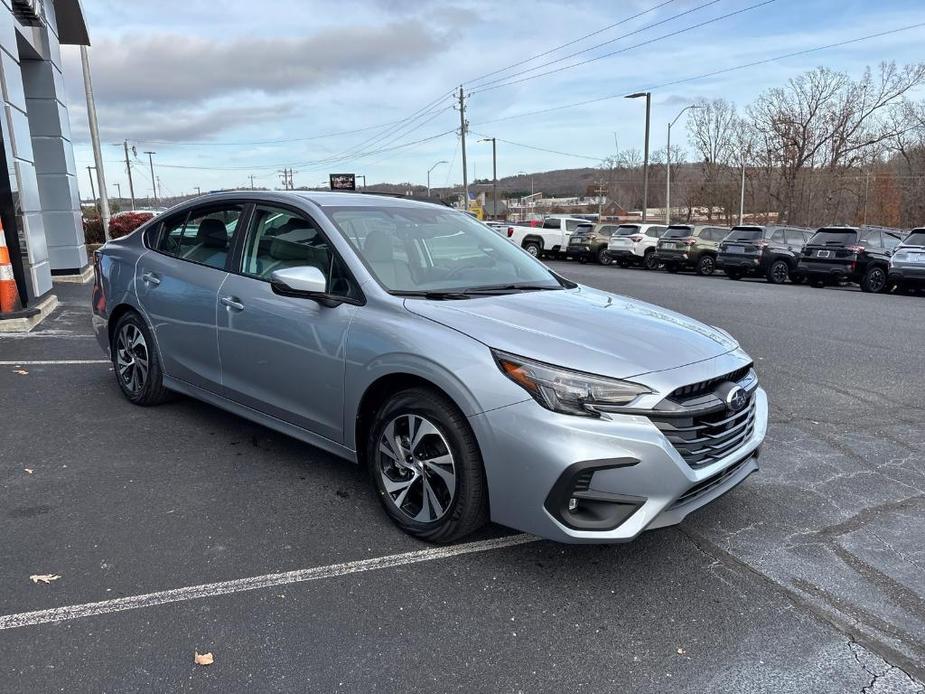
pixel 528 448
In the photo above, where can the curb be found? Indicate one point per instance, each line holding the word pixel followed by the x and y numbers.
pixel 24 321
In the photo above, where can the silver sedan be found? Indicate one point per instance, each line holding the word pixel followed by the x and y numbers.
pixel 473 382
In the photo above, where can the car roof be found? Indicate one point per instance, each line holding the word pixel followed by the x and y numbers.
pixel 320 198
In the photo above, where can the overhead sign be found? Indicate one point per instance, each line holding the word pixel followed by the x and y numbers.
pixel 345 181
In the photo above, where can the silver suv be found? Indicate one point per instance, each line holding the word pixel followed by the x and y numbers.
pixel 470 380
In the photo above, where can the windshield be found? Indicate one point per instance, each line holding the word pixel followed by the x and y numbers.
pixel 831 237
pixel 432 249
pixel 744 235
pixel 627 230
pixel 677 233
pixel 916 238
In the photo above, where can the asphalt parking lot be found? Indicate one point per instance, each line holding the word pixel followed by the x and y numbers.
pixel 183 528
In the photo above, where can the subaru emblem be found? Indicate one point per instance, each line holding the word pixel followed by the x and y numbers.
pixel 736 399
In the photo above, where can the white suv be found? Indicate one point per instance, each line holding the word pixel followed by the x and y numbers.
pixel 635 244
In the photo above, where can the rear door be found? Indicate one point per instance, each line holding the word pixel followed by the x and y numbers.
pixel 284 355
pixel 177 283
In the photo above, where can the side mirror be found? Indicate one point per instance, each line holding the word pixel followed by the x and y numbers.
pixel 306 282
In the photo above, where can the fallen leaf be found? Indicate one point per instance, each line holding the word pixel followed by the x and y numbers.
pixel 28 470
pixel 44 578
pixel 21 372
pixel 203 658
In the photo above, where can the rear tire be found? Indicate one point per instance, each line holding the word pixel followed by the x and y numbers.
pixel 706 265
pixel 533 248
pixel 135 362
pixel 650 260
pixel 874 280
pixel 434 501
pixel 778 272
pixel 603 257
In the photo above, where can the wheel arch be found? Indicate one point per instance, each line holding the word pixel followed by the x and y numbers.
pixel 532 238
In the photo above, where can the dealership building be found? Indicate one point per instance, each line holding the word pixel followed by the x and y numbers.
pixel 39 200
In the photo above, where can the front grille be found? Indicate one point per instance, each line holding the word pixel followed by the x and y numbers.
pixel 710 482
pixel 705 438
pixel 695 389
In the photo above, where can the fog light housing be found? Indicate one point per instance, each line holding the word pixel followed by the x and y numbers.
pixel 572 502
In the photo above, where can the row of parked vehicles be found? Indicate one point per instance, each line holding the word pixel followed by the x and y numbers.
pixel 875 258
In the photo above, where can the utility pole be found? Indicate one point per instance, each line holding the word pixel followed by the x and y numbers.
pixel 494 179
pixel 252 181
pixel 363 176
pixel 198 190
pixel 866 190
pixel 153 179
pixel 462 136
pixel 600 201
pixel 95 140
pixel 118 189
pixel 128 169
pixel 160 188
pixel 92 189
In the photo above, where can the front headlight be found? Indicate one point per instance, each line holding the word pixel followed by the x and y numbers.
pixel 565 391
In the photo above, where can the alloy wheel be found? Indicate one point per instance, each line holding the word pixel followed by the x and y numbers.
pixel 417 468
pixel 132 358
pixel 780 272
pixel 876 280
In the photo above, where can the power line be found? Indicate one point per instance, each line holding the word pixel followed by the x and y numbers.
pixel 672 34
pixel 480 87
pixel 543 149
pixel 570 43
pixel 705 75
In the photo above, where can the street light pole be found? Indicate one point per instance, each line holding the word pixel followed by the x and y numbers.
pixel 645 165
pixel 363 176
pixel 442 161
pixel 95 141
pixel 668 164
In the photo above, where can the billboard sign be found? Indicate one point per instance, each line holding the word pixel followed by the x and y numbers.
pixel 343 181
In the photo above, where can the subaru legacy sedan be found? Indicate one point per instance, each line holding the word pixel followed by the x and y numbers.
pixel 472 381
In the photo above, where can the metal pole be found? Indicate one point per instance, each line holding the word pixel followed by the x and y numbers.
pixel 645 165
pixel 92 189
pixel 462 136
pixel 494 173
pixel 428 183
pixel 668 179
pixel 118 189
pixel 95 140
pixel 866 189
pixel 128 169
pixel 198 190
pixel 153 179
pixel 742 197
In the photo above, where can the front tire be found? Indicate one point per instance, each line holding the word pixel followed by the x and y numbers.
pixel 135 362
pixel 426 466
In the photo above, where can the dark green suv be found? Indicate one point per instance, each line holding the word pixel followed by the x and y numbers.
pixel 690 246
pixel 589 242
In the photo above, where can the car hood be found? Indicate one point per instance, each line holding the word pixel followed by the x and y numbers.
pixel 582 329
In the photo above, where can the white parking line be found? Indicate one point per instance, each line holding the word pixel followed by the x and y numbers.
pixel 208 590
pixel 53 362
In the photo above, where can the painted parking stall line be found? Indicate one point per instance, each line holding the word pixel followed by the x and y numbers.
pixel 53 362
pixel 209 590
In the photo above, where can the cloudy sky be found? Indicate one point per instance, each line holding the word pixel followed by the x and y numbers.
pixel 365 85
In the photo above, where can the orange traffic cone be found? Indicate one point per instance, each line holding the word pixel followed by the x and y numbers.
pixel 9 294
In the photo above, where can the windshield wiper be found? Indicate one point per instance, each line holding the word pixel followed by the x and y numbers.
pixel 517 286
pixel 435 296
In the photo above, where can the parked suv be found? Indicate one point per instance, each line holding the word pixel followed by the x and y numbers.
pixel 851 254
pixel 772 252
pixel 635 244
pixel 907 266
pixel 589 241
pixel 689 246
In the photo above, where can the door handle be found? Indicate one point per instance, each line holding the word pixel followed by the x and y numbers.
pixel 232 303
pixel 151 278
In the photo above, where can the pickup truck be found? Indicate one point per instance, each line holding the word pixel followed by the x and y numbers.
pixel 550 237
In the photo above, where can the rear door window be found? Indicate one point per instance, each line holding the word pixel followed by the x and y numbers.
pixel 871 240
pixel 795 238
pixel 778 236
pixel 552 224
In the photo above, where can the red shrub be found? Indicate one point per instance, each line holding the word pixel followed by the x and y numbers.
pixel 126 222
